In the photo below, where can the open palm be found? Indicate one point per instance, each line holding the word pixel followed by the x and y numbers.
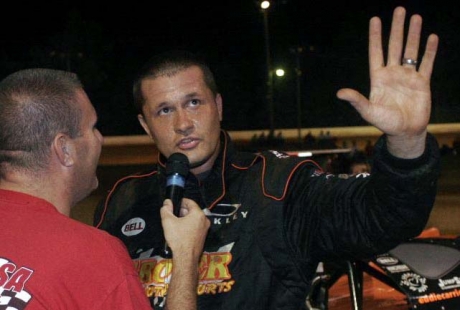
pixel 399 103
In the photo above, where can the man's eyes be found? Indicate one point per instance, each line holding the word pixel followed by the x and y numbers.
pixel 191 103
pixel 164 111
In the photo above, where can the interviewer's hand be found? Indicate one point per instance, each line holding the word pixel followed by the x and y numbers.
pixel 185 235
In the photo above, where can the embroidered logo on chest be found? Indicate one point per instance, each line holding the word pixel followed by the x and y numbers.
pixel 224 213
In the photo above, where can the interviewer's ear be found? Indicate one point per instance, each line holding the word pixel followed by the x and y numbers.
pixel 63 148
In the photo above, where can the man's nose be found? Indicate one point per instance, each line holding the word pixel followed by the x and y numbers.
pixel 183 122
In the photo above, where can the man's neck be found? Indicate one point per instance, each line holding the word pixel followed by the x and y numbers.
pixel 37 188
pixel 203 175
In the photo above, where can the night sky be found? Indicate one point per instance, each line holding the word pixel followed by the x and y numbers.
pixel 106 44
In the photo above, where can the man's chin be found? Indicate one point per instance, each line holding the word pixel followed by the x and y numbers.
pixel 197 164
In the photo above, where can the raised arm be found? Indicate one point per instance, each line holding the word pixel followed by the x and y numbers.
pixel 185 236
pixel 400 97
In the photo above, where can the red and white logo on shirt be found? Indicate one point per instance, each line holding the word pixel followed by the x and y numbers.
pixel 13 281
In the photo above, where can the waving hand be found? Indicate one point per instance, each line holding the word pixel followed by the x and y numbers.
pixel 400 97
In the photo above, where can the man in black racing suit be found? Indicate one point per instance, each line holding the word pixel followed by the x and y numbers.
pixel 273 216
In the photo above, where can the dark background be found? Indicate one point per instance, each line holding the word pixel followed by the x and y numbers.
pixel 105 43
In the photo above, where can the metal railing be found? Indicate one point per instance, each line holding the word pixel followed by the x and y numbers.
pixel 140 149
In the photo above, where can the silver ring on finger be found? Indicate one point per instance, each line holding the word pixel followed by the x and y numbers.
pixel 409 61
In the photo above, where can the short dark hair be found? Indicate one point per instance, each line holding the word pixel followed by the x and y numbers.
pixel 168 64
pixel 35 105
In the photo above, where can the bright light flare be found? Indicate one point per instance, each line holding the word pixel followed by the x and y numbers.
pixel 265 5
pixel 279 72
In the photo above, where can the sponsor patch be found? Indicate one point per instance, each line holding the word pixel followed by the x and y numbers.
pixel 397 268
pixel 133 227
pixel 414 282
pixel 387 260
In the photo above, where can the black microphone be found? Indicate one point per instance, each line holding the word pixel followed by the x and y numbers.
pixel 177 168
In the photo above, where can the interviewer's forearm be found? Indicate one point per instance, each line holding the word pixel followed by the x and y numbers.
pixel 182 292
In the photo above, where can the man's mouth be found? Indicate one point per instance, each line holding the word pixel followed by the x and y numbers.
pixel 189 143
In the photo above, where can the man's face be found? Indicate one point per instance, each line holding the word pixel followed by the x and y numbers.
pixel 182 115
pixel 88 147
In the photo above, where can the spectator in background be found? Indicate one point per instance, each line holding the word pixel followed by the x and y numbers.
pixel 359 163
pixel 309 141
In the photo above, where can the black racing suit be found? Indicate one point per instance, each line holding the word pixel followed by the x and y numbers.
pixel 273 218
